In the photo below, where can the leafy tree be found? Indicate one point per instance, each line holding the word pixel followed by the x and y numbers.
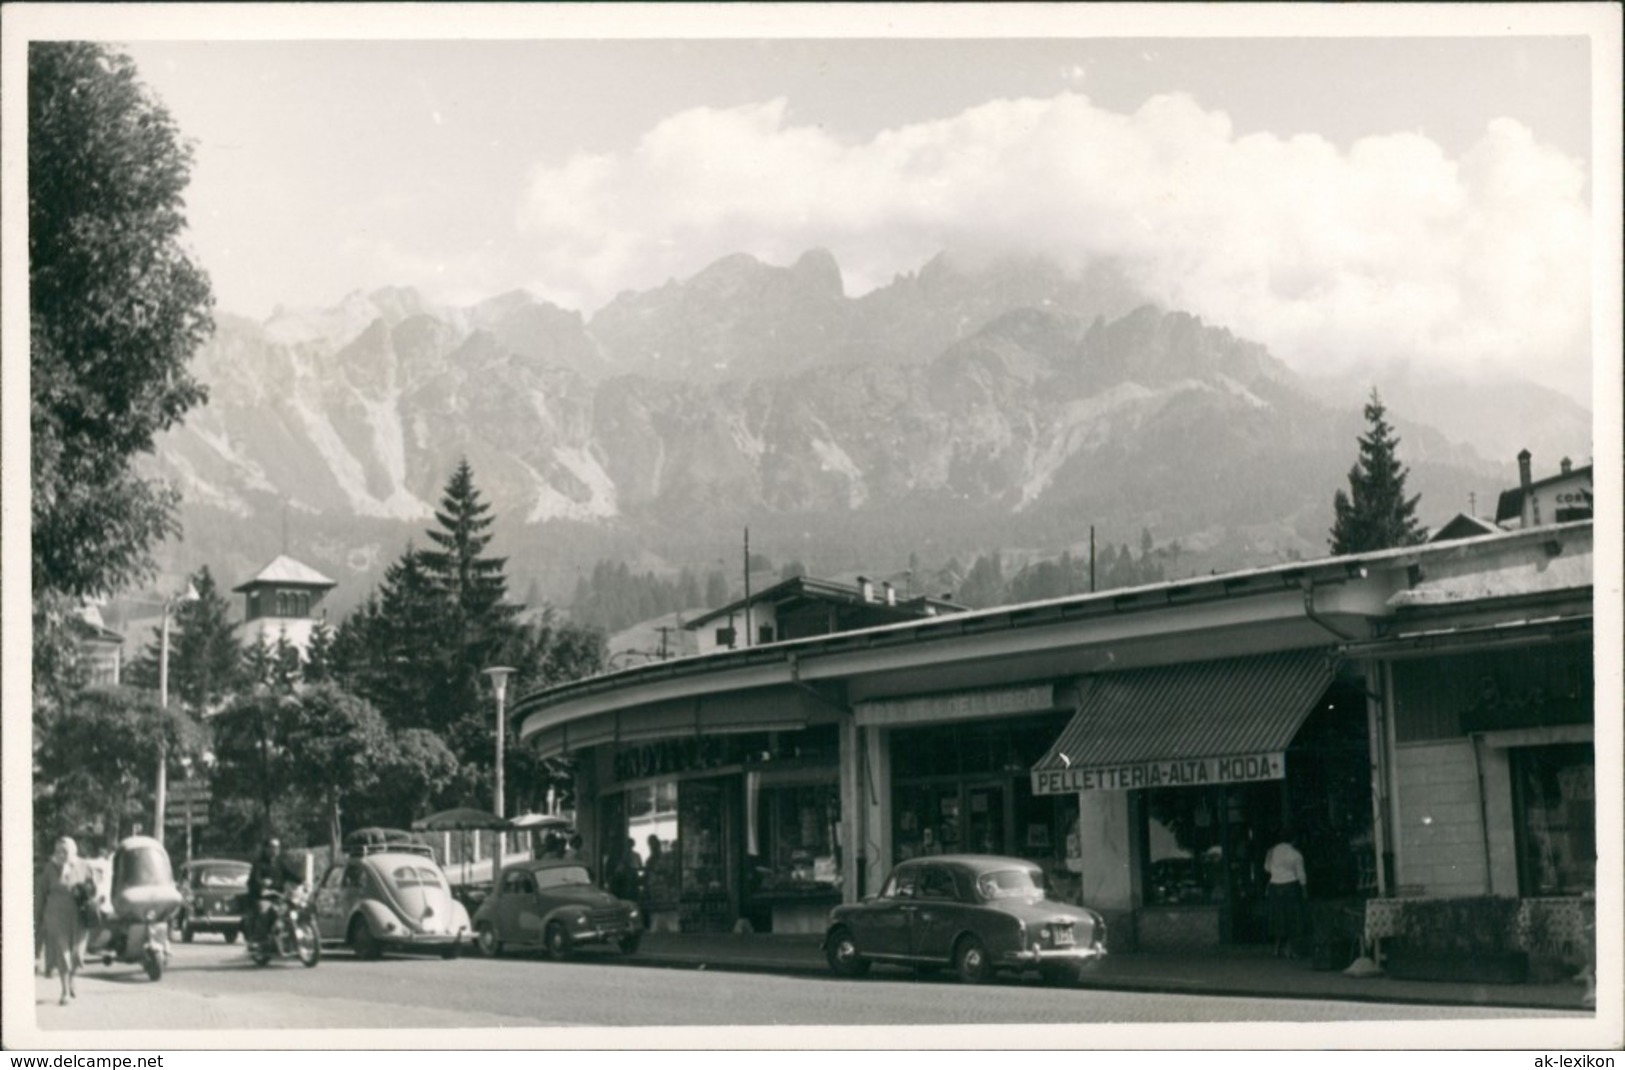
pixel 330 742
pixel 95 764
pixel 116 309
pixel 396 650
pixel 1375 514
pixel 414 772
pixel 984 585
pixel 205 659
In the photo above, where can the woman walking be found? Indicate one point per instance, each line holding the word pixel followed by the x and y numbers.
pixel 57 900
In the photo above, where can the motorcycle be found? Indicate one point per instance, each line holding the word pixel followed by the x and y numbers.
pixel 144 898
pixel 291 929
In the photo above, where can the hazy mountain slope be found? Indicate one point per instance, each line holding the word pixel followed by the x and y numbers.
pixel 960 409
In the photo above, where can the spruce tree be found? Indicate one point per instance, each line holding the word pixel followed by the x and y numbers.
pixel 1375 514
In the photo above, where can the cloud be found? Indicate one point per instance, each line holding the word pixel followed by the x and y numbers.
pixel 1388 248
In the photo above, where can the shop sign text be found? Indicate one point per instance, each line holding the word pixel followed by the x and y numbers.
pixel 1235 769
pixel 956 705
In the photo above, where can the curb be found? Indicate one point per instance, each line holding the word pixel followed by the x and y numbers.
pixel 1150 986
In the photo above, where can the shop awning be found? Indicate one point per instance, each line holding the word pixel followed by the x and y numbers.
pixel 1210 722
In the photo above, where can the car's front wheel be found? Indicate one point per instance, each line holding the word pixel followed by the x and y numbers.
pixel 971 961
pixel 841 951
pixel 629 944
pixel 365 945
pixel 557 942
pixel 231 935
pixel 187 933
pixel 486 937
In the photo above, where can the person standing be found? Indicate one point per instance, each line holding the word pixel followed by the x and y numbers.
pixel 58 895
pixel 1288 889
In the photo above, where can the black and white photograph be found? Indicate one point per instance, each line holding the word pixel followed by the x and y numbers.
pixel 642 527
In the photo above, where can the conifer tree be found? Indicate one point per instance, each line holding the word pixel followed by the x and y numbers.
pixel 1375 514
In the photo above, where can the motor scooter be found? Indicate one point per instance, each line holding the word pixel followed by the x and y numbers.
pixel 291 929
pixel 135 925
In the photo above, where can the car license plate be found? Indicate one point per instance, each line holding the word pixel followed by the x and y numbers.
pixel 1063 937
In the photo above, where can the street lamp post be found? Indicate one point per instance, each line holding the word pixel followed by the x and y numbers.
pixel 499 687
pixel 161 787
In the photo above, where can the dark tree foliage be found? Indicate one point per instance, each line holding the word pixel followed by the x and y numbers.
pixel 205 659
pixel 399 650
pixel 1374 514
pixel 614 599
pixel 95 760
pixel 116 309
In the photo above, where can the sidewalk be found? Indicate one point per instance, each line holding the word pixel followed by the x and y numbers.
pixel 1226 971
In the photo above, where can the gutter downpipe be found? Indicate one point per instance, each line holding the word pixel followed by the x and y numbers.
pixel 1483 813
pixel 1390 760
pixel 1309 612
pixel 1379 804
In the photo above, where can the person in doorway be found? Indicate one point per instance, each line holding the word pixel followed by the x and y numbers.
pixel 654 876
pixel 59 897
pixel 1287 892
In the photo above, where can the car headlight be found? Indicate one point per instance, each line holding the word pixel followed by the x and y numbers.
pixel 581 921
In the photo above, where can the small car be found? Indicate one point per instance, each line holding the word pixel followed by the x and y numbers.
pixel 214 896
pixel 389 894
pixel 552 903
pixel 976 913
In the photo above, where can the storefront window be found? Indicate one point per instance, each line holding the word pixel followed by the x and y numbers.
pixel 651 810
pixel 1184 846
pixel 1556 813
pixel 797 849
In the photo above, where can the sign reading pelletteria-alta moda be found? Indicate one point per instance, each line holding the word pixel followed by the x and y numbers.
pixel 1181 773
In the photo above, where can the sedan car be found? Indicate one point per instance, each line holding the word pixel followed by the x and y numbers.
pixel 214 893
pixel 976 913
pixel 389 894
pixel 553 904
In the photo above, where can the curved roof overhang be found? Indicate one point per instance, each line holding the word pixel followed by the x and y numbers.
pixel 1328 603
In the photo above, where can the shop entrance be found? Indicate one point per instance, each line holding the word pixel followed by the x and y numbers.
pixel 1205 849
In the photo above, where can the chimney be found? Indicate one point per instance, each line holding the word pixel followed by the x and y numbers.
pixel 1567 465
pixel 1523 470
pixel 866 588
pixel 891 592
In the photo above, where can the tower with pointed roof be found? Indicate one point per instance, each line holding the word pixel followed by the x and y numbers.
pixel 280 601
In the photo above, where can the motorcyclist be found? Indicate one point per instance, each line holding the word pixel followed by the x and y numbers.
pixel 269 873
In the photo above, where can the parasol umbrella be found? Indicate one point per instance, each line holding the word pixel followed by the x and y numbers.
pixel 461 819
pixel 541 822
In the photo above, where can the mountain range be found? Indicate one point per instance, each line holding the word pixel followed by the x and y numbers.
pixel 965 407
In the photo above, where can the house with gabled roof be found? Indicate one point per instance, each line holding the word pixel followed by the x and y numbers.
pixel 281 602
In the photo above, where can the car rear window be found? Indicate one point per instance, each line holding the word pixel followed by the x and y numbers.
pixel 561 876
pixel 223 878
pixel 406 876
pixel 1011 884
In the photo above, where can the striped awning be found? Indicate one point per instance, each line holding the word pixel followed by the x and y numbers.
pixel 1209 722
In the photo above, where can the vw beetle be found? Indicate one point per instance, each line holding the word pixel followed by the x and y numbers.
pixel 389 894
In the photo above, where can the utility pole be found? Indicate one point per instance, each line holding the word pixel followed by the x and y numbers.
pixel 1091 559
pixel 747 587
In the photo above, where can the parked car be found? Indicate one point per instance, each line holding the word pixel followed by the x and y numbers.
pixel 976 913
pixel 389 894
pixel 214 897
pixel 552 903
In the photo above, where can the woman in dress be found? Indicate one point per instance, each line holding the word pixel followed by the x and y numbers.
pixel 56 913
pixel 1288 887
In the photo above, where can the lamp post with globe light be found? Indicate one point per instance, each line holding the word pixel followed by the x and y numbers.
pixel 161 787
pixel 499 688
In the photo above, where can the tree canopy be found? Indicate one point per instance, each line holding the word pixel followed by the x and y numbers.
pixel 117 306
pixel 1375 514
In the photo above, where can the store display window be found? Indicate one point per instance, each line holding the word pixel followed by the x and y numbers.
pixel 1555 799
pixel 794 836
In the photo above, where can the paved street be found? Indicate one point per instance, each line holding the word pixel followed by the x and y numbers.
pixel 213 986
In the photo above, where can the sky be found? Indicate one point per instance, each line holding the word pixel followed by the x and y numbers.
pixel 1340 199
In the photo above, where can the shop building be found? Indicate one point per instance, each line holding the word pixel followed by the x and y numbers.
pixel 1420 715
